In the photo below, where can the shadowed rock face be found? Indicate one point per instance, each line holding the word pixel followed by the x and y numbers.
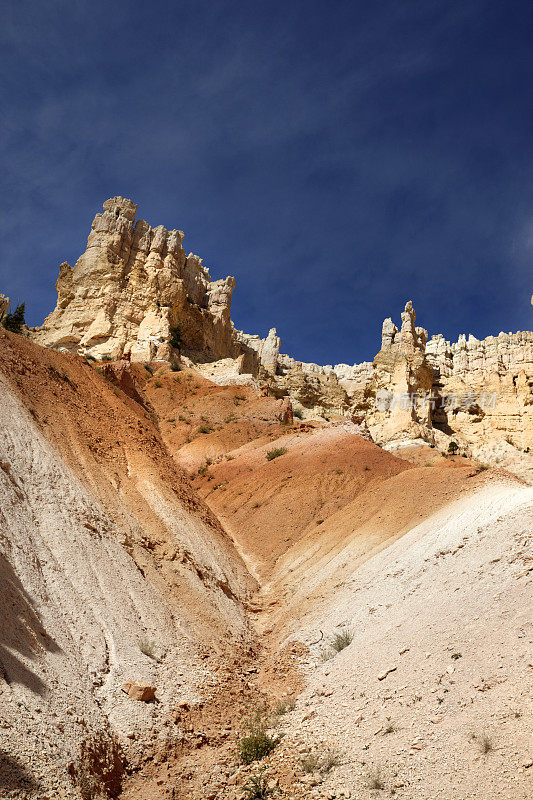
pixel 130 287
pixel 486 387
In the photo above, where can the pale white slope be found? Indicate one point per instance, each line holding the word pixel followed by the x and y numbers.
pixel 74 607
pixel 449 607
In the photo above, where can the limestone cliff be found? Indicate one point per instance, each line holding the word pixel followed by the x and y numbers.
pixel 485 387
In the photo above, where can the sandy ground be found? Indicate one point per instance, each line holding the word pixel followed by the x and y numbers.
pixel 200 421
pixel 439 669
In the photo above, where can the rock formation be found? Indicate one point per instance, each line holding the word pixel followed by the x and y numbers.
pixel 260 352
pixel 285 415
pixel 134 287
pixel 4 305
pixel 402 380
pixel 318 391
pixel 134 293
pixel 484 388
pixel 129 289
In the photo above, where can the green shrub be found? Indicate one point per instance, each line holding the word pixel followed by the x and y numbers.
pixel 255 742
pixel 176 336
pixel 275 453
pixel 453 447
pixel 257 787
pixel 15 321
pixel 205 429
pixel 298 413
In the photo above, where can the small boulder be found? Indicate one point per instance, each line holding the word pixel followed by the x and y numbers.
pixel 139 691
pixel 383 675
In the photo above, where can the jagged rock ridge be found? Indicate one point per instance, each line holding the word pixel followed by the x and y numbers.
pixel 130 287
pixel 134 284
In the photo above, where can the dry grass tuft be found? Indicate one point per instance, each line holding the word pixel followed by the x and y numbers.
pixel 275 453
pixel 374 779
pixel 341 640
pixel 320 762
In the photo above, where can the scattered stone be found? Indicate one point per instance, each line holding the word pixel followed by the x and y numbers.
pixel 384 674
pixel 139 691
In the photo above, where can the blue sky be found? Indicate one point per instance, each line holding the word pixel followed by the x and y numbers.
pixel 338 158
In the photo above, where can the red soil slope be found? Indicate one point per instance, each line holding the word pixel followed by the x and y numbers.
pixel 201 421
pixel 328 473
pixel 113 445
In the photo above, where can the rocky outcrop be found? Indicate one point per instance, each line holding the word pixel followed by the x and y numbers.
pixel 131 287
pixel 4 306
pixel 484 388
pixel 259 352
pixel 135 294
pixel 319 392
pixel 478 392
pixel 401 381
pixel 285 414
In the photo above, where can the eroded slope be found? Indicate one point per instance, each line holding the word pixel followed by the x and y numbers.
pixel 112 570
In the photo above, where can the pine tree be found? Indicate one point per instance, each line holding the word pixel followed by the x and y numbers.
pixel 14 322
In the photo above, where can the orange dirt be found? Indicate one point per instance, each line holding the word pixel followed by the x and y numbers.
pixel 330 486
pixel 113 445
pixel 201 421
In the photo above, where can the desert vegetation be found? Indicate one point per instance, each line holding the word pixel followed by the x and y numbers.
pixel 276 452
pixel 256 739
